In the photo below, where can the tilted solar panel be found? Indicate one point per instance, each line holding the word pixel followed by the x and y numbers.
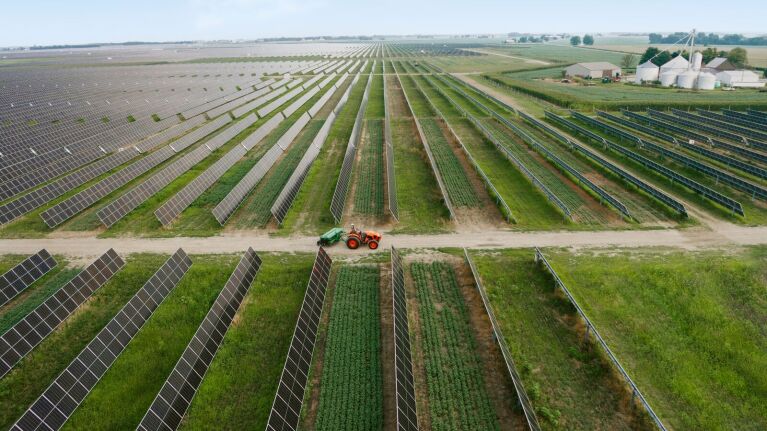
pixel 175 396
pixel 25 335
pixel 59 401
pixel 286 409
pixel 21 276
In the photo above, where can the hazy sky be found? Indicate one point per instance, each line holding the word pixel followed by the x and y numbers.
pixel 80 21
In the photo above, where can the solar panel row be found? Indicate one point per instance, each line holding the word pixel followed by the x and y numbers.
pixel 342 185
pixel 293 185
pixel 295 106
pixel 266 110
pixel 407 416
pixel 25 335
pixel 21 276
pixel 171 403
pixel 181 200
pixel 229 106
pixel 229 204
pixel 391 181
pixel 67 391
pixel 68 208
pixel 286 408
pixel 244 109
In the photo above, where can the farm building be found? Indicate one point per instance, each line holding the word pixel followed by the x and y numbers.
pixel 739 78
pixel 719 64
pixel 598 69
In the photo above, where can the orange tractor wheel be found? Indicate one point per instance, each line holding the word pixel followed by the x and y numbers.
pixel 373 244
pixel 352 243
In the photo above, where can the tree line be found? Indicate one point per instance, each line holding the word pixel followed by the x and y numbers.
pixel 709 39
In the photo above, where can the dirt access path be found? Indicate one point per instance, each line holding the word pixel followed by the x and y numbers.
pixel 717 235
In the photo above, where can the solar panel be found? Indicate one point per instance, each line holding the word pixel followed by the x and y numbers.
pixel 171 403
pixel 391 181
pixel 295 106
pixel 25 335
pixel 266 110
pixel 68 208
pixel 21 276
pixel 407 413
pixel 229 204
pixel 244 109
pixel 342 185
pixel 59 401
pixel 286 408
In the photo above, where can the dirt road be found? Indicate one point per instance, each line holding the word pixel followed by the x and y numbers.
pixel 721 235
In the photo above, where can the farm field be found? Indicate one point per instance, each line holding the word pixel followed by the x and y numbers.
pixel 533 254
pixel 351 382
pixel 561 373
pixel 686 326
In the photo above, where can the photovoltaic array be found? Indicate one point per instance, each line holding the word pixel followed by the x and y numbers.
pixel 25 335
pixel 171 403
pixel 407 415
pixel 54 407
pixel 24 274
pixel 68 208
pixel 286 409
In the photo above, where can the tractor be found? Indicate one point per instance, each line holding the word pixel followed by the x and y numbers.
pixel 353 239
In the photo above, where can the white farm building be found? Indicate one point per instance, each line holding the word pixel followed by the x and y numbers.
pixel 600 69
pixel 739 78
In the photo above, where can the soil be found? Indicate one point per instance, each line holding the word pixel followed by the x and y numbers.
pixel 498 384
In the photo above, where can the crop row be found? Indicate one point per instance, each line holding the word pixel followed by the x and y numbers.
pixel 351 394
pixel 457 395
pixel 369 195
pixel 456 181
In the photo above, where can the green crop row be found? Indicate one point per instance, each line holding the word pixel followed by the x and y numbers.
pixel 351 394
pixel 369 194
pixel 456 389
pixel 453 175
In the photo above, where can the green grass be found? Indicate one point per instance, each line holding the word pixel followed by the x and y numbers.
pixel 351 391
pixel 561 373
pixel 558 53
pixel 141 370
pixel 530 207
pixel 369 192
pixel 34 373
pixel 375 107
pixel 688 327
pixel 458 399
pixel 256 210
pixel 420 203
pixel 239 388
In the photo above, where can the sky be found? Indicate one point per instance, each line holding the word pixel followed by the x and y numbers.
pixel 45 22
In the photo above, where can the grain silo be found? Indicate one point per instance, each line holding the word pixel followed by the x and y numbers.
pixel 706 81
pixel 686 79
pixel 647 71
pixel 667 79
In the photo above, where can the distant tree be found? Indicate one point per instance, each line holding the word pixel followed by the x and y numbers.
pixel 523 39
pixel 588 39
pixel 575 40
pixel 649 53
pixel 662 58
pixel 738 57
pixel 709 54
pixel 629 61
